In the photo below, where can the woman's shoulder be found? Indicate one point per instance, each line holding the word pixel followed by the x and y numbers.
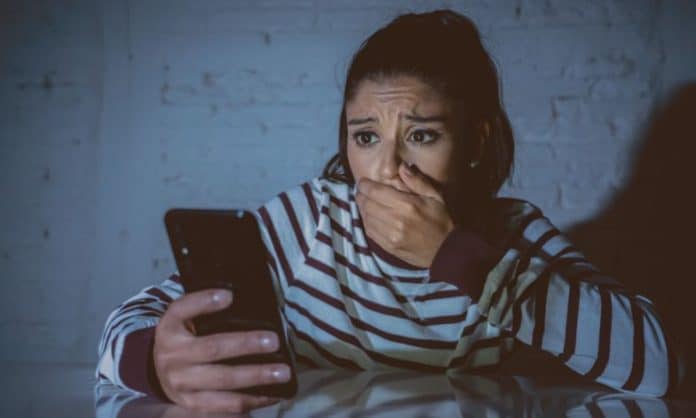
pixel 321 191
pixel 322 186
pixel 510 216
pixel 308 197
pixel 511 208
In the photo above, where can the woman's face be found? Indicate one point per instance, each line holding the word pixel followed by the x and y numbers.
pixel 399 119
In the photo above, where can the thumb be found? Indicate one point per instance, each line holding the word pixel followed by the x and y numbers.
pixel 418 182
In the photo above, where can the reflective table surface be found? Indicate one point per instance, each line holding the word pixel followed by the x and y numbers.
pixel 64 390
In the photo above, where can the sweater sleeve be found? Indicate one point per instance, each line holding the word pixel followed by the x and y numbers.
pixel 545 293
pixel 549 296
pixel 463 259
pixel 125 346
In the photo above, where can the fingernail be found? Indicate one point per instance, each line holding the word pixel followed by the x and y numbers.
pixel 222 297
pixel 410 169
pixel 281 373
pixel 269 341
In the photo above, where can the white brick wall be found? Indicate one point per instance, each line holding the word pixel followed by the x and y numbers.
pixel 112 112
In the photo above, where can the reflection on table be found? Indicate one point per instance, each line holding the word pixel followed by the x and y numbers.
pixel 337 393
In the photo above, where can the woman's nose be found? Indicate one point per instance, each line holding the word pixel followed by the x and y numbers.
pixel 390 159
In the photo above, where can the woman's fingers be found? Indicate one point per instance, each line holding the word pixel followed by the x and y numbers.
pixel 371 208
pixel 188 365
pixel 185 363
pixel 420 183
pixel 384 233
pixel 386 194
pixel 222 377
pixel 214 347
pixel 191 305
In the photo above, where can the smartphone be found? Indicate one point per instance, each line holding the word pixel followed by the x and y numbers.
pixel 222 248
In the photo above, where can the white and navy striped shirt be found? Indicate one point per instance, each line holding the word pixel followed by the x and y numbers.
pixel 348 303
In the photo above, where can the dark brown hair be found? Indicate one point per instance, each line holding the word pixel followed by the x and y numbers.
pixel 443 48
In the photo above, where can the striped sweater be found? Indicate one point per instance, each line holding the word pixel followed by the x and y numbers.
pixel 348 303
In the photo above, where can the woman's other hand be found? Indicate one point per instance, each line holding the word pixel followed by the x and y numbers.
pixel 409 224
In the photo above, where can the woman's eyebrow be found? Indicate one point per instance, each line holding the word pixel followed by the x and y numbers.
pixel 360 121
pixel 425 119
pixel 413 118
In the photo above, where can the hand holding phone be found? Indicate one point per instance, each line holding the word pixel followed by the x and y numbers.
pixel 188 367
pixel 223 249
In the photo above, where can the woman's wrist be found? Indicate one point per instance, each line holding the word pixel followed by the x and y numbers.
pixel 464 259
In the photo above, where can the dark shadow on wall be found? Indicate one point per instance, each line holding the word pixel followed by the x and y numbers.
pixel 646 236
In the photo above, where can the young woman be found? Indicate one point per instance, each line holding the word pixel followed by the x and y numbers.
pixel 400 255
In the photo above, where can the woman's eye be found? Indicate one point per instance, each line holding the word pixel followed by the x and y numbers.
pixel 363 138
pixel 421 136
